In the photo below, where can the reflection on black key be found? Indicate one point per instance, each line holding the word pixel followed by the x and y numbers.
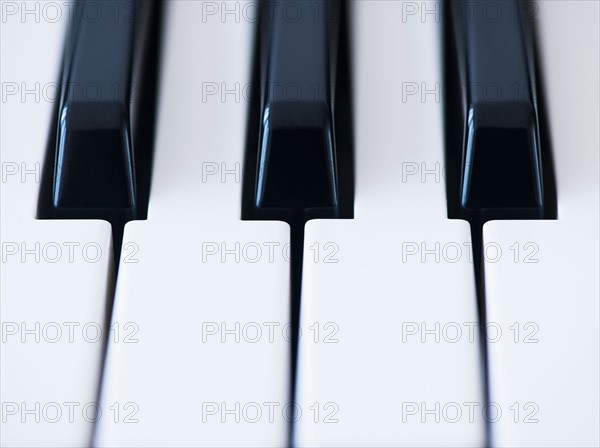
pixel 503 171
pixel 299 150
pixel 99 156
pixel 298 174
pixel 95 168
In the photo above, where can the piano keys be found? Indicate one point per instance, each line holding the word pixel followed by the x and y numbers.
pixel 371 266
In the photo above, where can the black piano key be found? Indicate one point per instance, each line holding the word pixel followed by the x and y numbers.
pixel 502 166
pixel 495 147
pixel 98 161
pixel 296 150
pixel 95 165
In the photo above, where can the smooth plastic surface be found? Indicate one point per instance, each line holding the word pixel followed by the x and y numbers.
pixel 373 286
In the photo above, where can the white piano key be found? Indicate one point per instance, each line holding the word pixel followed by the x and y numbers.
pixel 375 386
pixel 55 274
pixel 54 291
pixel 203 108
pixel 405 369
pixel 184 373
pixel 183 390
pixel 543 295
pixel 31 52
pixel 543 291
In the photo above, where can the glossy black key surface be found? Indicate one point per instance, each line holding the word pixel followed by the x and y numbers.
pixel 291 163
pixel 95 166
pixel 497 155
pixel 98 161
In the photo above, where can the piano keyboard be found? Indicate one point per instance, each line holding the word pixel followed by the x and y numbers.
pixel 310 223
